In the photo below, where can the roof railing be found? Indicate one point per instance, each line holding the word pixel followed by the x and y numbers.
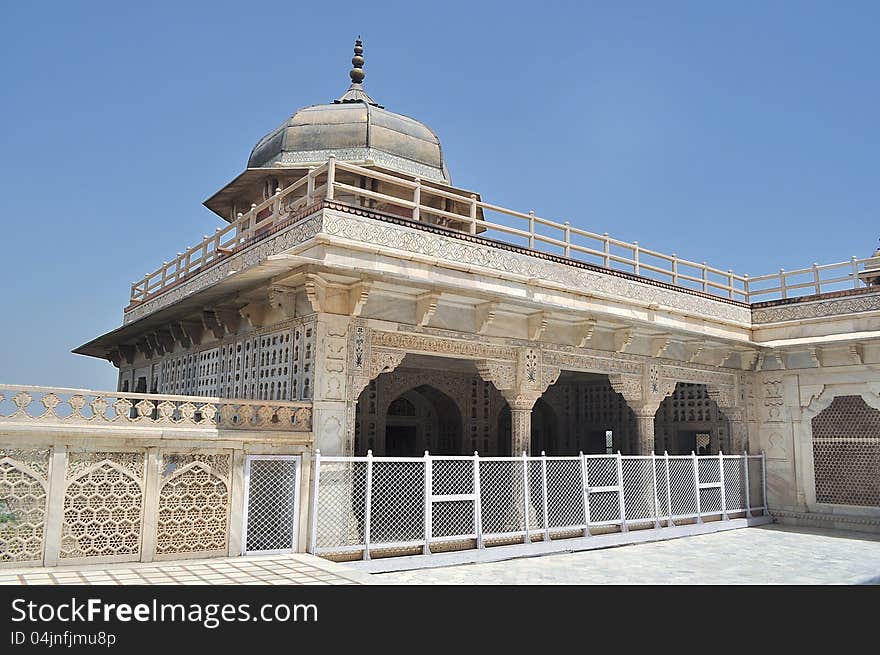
pixel 429 203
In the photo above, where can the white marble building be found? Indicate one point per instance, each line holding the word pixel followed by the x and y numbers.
pixel 354 299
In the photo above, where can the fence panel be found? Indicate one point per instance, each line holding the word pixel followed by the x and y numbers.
pixel 638 489
pixel 339 510
pixel 454 516
pixel 565 506
pixel 709 469
pixel 501 496
pixel 604 496
pixel 388 504
pixel 756 482
pixel 734 484
pixel 682 487
pixel 397 503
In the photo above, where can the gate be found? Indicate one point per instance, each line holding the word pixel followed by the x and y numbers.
pixel 271 504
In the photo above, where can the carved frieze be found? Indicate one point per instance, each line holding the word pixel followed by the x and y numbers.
pixel 441 346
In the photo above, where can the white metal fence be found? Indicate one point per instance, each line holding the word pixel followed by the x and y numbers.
pixel 396 505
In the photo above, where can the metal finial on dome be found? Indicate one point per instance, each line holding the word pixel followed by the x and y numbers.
pixel 356 91
pixel 357 72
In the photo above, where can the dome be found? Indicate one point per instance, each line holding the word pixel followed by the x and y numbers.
pixel 356 129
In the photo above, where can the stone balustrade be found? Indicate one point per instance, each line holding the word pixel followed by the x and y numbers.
pixel 26 404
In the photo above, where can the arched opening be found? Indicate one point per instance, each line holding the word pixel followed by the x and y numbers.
pixel 690 421
pixel 421 419
pixel 544 429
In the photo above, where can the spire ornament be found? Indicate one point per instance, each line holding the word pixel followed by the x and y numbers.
pixel 356 91
pixel 357 72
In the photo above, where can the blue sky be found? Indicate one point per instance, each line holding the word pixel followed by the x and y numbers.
pixel 743 134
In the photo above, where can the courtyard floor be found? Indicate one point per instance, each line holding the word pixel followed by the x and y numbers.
pixel 771 554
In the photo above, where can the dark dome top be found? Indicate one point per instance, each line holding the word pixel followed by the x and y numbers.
pixel 356 130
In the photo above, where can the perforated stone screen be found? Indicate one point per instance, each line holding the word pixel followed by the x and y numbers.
pixel 846 453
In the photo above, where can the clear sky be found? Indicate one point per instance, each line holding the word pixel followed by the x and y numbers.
pixel 744 134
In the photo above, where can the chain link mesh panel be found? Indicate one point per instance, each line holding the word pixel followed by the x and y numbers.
pixel 709 470
pixel 682 487
pixel 604 505
pixel 638 490
pixel 501 496
pixel 536 495
pixel 397 502
pixel 452 476
pixel 452 518
pixel 271 518
pixel 662 498
pixel 565 498
pixel 734 488
pixel 339 517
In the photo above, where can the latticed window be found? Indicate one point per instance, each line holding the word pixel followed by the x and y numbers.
pixel 401 407
pixel 846 453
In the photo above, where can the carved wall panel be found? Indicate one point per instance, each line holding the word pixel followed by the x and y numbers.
pixel 103 505
pixel 193 508
pixel 846 453
pixel 23 495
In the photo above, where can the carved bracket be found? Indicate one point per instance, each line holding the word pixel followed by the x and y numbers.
pixel 484 314
pixel 426 306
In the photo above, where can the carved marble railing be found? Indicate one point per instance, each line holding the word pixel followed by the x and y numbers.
pixel 465 212
pixel 25 404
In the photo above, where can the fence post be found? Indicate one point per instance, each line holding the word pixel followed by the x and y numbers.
pixel 331 177
pixel 764 481
pixel 656 500
pixel 855 273
pixel 747 293
pixel 478 503
pixel 473 225
pixel 816 283
pixel 417 200
pixel 782 288
pixel 697 486
pixel 748 498
pixel 705 277
pixel 669 521
pixel 635 250
pixel 368 505
pixel 526 499
pixel 723 489
pixel 674 268
pixel 567 250
pixel 621 503
pixel 429 477
pixel 532 229
pixel 313 518
pixel 607 250
pixel 585 487
pixel 730 282
pixel 544 496
pixel 310 185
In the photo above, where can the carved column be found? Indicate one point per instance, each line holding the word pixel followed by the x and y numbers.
pixel 521 383
pixel 643 393
pixel 645 430
pixel 329 384
pixel 521 427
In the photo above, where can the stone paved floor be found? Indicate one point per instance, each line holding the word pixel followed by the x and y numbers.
pixel 257 570
pixel 769 554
